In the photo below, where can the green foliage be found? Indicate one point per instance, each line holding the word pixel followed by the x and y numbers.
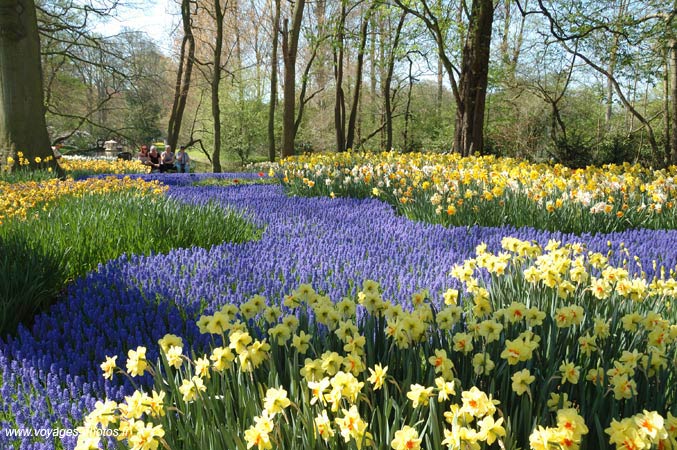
pixel 616 149
pixel 572 151
pixel 235 181
pixel 526 312
pixel 22 175
pixel 245 129
pixel 75 235
pixel 31 275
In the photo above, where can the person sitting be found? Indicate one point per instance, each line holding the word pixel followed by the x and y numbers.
pixel 182 160
pixel 143 155
pixel 154 159
pixel 167 159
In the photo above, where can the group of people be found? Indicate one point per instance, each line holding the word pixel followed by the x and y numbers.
pixel 165 161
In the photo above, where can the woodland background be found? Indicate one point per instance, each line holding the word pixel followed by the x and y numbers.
pixel 577 82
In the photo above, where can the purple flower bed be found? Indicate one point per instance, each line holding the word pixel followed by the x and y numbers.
pixel 187 179
pixel 50 374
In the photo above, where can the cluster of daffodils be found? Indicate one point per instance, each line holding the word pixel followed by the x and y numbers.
pixel 258 435
pixel 20 200
pixel 130 420
pixel 102 165
pixel 557 328
pixel 647 429
pixel 22 161
pixel 579 294
pixel 566 435
pixel 441 188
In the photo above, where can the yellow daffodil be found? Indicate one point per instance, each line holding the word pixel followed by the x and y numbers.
pixel 419 395
pixel 301 342
pixel 190 389
pixel 378 376
pixel 445 389
pixel 108 366
pixel 491 430
pixel 406 439
pixel 202 367
pixel 170 340
pixel 521 381
pixel 136 361
pixel 323 426
pixel 175 356
pixel 570 372
pixel 276 401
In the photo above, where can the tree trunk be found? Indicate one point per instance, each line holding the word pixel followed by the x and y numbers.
pixel 290 40
pixel 470 91
pixel 245 145
pixel 273 84
pixel 673 98
pixel 350 139
pixel 440 91
pixel 621 10
pixel 609 86
pixel 384 33
pixel 388 110
pixel 215 84
pixel 473 82
pixel 372 75
pixel 339 102
pixel 407 111
pixel 183 76
pixel 321 77
pixel 304 87
pixel 505 37
pixel 22 112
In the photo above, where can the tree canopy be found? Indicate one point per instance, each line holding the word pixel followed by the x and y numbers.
pixel 571 82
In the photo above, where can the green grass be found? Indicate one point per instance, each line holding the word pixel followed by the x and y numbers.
pixel 41 255
pixel 235 181
pixel 230 162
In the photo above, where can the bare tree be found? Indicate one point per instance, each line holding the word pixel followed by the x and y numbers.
pixel 339 101
pixel 290 42
pixel 673 97
pixel 273 82
pixel 183 74
pixel 559 30
pixel 215 83
pixel 350 134
pixel 387 95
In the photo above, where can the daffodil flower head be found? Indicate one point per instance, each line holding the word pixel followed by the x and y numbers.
pixel 378 376
pixel 419 395
pixel 406 439
pixel 482 364
pixel 323 426
pixel 445 389
pixel 219 323
pixel 136 361
pixel 175 356
pixel 275 401
pixel 108 366
pixel 239 340
pixel 190 389
pixel 170 340
pixel 202 367
pixel 521 381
